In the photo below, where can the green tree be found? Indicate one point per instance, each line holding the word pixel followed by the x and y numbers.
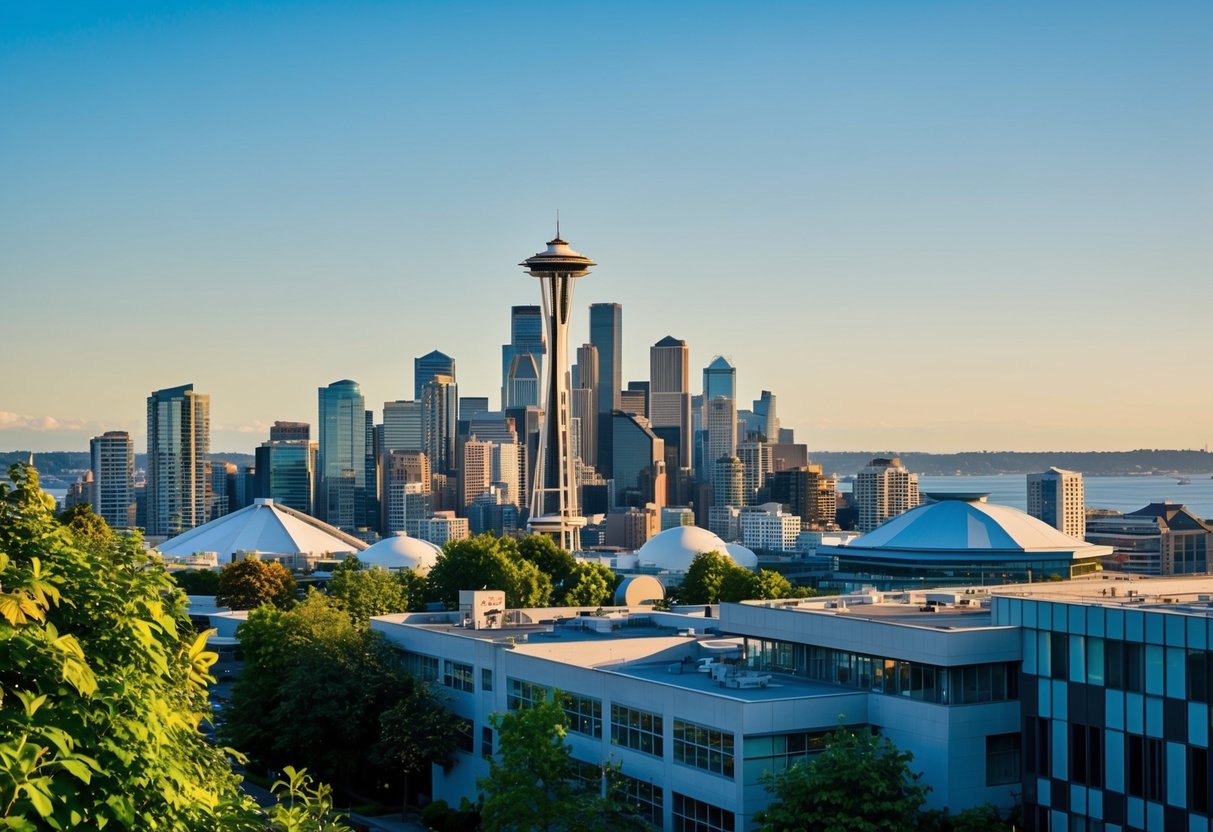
pixel 530 784
pixel 366 592
pixel 552 561
pixel 861 782
pixel 102 683
pixel 415 732
pixel 303 806
pixel 488 562
pixel 249 583
pixel 705 578
pixel 588 585
pixel 197 581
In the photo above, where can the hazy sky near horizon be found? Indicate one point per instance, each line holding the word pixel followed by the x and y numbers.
pixel 928 226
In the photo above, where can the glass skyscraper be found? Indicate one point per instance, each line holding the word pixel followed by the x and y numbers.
pixel 341 489
pixel 429 365
pixel 606 334
pixel 286 466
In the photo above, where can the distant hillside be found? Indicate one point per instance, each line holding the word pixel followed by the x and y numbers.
pixel 59 469
pixel 980 463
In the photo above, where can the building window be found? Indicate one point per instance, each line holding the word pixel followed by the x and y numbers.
pixel 1002 759
pixel 458 676
pixel 1198 777
pixel 486 742
pixel 520 694
pixel 703 747
pixel 775 752
pixel 1086 755
pixel 1199 673
pixel 1059 655
pixel 486 678
pixel 420 665
pixel 1038 745
pixel 1143 767
pixel 583 713
pixel 691 815
pixel 1124 666
pixel 638 730
pixel 464 739
pixel 641 796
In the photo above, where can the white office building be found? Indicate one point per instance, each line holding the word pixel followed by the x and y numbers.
pixel 1056 497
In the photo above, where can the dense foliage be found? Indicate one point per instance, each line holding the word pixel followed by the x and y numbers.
pixel 102 682
pixel 861 782
pixel 488 562
pixel 249 583
pixel 713 577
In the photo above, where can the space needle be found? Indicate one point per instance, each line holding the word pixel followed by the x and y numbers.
pixel 554 510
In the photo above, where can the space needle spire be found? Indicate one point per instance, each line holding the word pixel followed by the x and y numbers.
pixel 554 509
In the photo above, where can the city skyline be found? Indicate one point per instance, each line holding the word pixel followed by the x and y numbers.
pixel 934 229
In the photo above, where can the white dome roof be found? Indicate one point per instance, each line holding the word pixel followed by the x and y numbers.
pixel 266 527
pixel 674 549
pixel 401 552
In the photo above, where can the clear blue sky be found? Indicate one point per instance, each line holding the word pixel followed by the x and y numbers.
pixel 925 226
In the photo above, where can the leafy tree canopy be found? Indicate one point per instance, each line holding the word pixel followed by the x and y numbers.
pixel 197 581
pixel 366 592
pixel 588 585
pixel 861 782
pixel 489 562
pixel 249 583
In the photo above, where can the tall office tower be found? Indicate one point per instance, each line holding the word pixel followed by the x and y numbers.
pixel 526 339
pixel 728 482
pixel 476 475
pixel 582 411
pixel 242 487
pixel 403 429
pixel 764 409
pixel 719 379
pixel 113 464
pixel 439 400
pixel 606 336
pixel 286 466
pixel 554 510
pixel 521 385
pixel 178 448
pixel 1057 498
pixel 429 365
pixel 219 503
pixel 670 392
pixel 341 483
pixel 807 493
pixel 409 503
pixel 884 489
pixel 757 463
pixel 585 371
pixel 638 463
pixel 721 425
pixel 635 400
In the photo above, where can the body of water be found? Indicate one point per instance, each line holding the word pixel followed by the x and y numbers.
pixel 1117 493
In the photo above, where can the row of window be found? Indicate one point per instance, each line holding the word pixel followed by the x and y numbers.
pixel 691 815
pixel 1136 765
pixel 703 747
pixel 582 713
pixel 965 685
pixel 1122 665
pixel 639 730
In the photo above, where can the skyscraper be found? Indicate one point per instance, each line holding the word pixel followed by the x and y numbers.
pixel 286 466
pixel 719 379
pixel 178 449
pixel 1057 498
pixel 554 510
pixel 721 426
pixel 341 487
pixel 113 465
pixel 670 392
pixel 526 339
pixel 807 493
pixel 439 403
pixel 764 407
pixel 429 365
pixel 606 335
pixel 639 462
pixel 884 489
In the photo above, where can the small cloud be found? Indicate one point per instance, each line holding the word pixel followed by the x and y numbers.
pixel 256 427
pixel 16 421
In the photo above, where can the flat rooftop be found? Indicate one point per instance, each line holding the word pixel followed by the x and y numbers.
pixel 688 678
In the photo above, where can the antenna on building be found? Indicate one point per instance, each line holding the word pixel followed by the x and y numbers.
pixel 557 223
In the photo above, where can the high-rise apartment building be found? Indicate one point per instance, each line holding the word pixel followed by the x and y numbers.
pixel 439 401
pixel 429 365
pixel 178 449
pixel 1056 497
pixel 341 475
pixel 606 335
pixel 808 493
pixel 112 457
pixel 286 466
pixel 670 393
pixel 757 463
pixel 884 489
pixel 728 482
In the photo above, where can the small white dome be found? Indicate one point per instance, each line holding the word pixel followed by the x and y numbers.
pixel 401 552
pixel 674 549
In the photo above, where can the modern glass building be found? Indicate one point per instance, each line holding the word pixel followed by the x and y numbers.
pixel 178 449
pixel 638 460
pixel 286 466
pixel 341 464
pixel 429 365
pixel 606 334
